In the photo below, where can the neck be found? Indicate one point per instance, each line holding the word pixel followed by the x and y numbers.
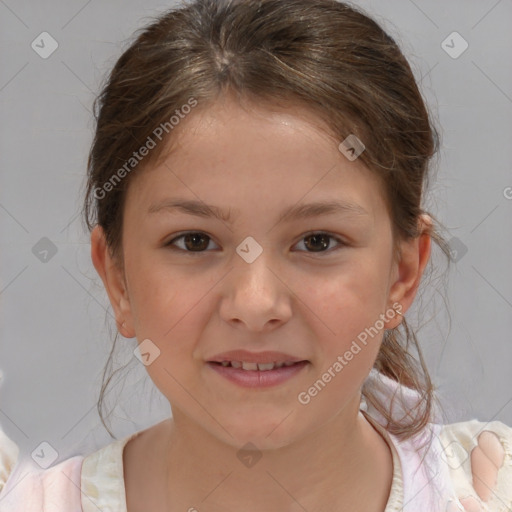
pixel 338 466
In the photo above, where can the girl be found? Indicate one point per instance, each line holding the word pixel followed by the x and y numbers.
pixel 255 192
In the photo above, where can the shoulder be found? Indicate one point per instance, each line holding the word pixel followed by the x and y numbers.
pixel 478 456
pixel 30 488
pixel 472 460
pixel 112 476
pixel 103 477
pixel 8 456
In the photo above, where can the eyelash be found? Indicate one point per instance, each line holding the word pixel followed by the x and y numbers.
pixel 182 235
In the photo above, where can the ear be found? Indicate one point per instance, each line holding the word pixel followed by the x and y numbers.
pixel 415 254
pixel 113 280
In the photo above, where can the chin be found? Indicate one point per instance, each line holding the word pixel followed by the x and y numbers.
pixel 265 435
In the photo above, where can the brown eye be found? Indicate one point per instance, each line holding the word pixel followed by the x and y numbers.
pixel 317 242
pixel 192 241
pixel 197 242
pixel 320 242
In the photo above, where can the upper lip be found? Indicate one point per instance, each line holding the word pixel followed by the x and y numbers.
pixel 255 357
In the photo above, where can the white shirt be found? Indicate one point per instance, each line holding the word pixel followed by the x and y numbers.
pixel 442 482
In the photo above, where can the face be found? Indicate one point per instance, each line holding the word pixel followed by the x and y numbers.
pixel 316 285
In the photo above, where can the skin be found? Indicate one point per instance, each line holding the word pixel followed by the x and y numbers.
pixel 295 298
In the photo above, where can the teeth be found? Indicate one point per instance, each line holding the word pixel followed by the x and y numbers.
pixel 256 366
pixel 265 366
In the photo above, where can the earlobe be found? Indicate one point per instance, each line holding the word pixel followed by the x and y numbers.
pixel 113 281
pixel 415 254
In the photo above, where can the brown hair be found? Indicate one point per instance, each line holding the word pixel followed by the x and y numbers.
pixel 324 55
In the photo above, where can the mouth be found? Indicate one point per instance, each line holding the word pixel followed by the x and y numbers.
pixel 252 366
pixel 257 375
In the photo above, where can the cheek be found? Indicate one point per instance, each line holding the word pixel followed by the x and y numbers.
pixel 349 301
pixel 173 322
pixel 159 297
pixel 349 335
pixel 170 308
pixel 349 330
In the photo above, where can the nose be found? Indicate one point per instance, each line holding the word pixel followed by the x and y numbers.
pixel 256 295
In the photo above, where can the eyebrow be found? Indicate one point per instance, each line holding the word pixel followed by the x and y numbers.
pixel 299 211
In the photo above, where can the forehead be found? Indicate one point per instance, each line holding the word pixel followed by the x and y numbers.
pixel 227 149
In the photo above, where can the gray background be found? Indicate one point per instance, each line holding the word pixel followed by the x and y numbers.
pixel 54 335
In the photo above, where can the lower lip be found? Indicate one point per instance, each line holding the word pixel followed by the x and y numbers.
pixel 256 378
